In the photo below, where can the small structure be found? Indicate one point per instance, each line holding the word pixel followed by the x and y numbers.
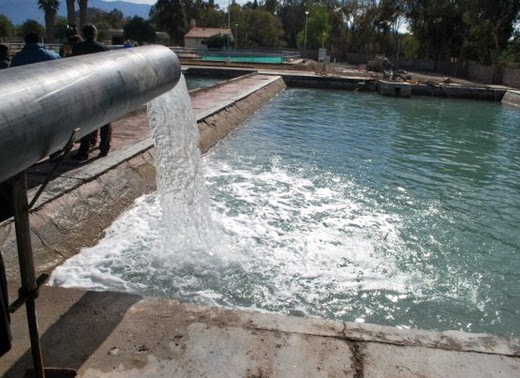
pixel 197 37
pixel 394 88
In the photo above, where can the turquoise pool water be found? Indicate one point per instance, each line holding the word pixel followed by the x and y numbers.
pixel 245 59
pixel 347 206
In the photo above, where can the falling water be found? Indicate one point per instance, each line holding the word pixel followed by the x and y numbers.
pixel 177 236
pixel 180 180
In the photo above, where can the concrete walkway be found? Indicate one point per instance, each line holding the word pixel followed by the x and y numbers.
pixel 122 335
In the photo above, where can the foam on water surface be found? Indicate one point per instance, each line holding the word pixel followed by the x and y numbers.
pixel 305 225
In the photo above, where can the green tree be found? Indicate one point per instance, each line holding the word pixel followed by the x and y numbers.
pixel 338 33
pixel 511 56
pixel 218 41
pixel 318 28
pixel 169 16
pixel 271 6
pixel 263 29
pixel 489 27
pixel 410 47
pixel 30 26
pixel 116 19
pixel 107 20
pixel 211 17
pixel 7 29
pixel 60 28
pixel 464 29
pixel 205 14
pixel 438 26
pixel 293 20
pixel 102 27
pixel 50 8
pixel 140 30
pixel 391 17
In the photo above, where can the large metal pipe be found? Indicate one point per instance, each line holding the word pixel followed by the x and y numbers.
pixel 41 104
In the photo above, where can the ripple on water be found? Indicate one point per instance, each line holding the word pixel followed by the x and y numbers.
pixel 346 206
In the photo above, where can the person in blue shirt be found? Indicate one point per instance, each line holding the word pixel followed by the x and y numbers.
pixel 33 52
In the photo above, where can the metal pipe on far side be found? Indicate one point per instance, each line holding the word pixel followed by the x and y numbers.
pixel 42 104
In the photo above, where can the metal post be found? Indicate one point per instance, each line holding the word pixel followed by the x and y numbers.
pixel 236 36
pixel 228 20
pixel 26 261
pixel 305 34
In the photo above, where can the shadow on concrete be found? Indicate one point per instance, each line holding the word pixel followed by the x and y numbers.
pixel 78 333
pixel 37 174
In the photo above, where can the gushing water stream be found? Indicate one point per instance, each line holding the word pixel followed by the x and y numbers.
pixel 180 181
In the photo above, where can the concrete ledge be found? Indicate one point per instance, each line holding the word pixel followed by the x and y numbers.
pixel 215 124
pixel 487 93
pixel 512 98
pixel 124 335
pixel 394 88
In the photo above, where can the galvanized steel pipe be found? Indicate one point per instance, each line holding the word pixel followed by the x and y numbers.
pixel 41 104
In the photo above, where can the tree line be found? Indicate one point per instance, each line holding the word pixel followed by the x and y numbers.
pixel 443 30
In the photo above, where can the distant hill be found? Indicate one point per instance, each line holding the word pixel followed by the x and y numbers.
pixel 20 10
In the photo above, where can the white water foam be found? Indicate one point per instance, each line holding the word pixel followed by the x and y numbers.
pixel 290 246
pixel 297 242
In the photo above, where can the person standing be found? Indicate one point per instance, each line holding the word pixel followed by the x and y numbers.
pixel 4 56
pixel 33 52
pixel 73 37
pixel 88 46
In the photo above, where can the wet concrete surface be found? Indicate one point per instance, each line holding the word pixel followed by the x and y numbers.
pixel 123 335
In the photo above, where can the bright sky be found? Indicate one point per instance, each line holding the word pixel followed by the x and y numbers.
pixel 222 3
pixel 151 2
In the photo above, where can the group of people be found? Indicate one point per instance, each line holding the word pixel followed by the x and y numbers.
pixel 33 52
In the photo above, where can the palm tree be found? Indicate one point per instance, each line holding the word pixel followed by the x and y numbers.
pixel 83 13
pixel 71 12
pixel 50 8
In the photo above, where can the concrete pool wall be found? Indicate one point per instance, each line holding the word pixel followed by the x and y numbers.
pixel 298 79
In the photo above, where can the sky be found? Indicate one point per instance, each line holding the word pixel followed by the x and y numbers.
pixel 221 3
pixel 151 2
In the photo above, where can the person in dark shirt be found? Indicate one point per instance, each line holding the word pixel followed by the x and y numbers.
pixel 4 56
pixel 33 52
pixel 73 37
pixel 89 46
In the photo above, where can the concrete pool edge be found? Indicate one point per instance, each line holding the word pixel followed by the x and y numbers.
pixel 309 79
pixel 121 335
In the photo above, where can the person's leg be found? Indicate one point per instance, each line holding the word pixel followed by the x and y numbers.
pixel 84 146
pixel 105 136
pixel 93 138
